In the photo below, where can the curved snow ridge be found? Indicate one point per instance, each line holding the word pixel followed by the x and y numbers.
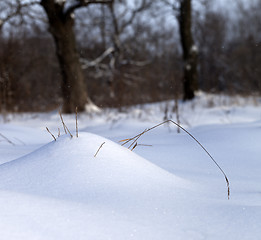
pixel 67 168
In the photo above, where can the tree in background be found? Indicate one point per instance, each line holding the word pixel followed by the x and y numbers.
pixel 61 25
pixel 230 50
pixel 128 56
pixel 12 14
pixel 118 63
pixel 183 12
pixel 190 51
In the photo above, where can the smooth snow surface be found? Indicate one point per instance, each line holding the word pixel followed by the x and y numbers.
pixel 168 190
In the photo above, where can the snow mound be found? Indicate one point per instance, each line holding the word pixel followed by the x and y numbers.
pixel 67 169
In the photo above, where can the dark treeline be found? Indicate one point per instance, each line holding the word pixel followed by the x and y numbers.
pixel 131 60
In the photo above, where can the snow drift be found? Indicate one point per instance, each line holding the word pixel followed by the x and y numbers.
pixel 67 169
pixel 78 196
pixel 61 191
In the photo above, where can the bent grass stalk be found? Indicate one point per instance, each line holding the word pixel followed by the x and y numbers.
pixel 133 141
pixel 99 149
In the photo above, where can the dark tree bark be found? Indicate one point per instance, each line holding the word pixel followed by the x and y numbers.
pixel 190 78
pixel 74 91
pixel 61 26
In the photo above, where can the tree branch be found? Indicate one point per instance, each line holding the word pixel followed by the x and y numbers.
pixel 145 4
pixel 16 10
pixel 83 3
pixel 98 60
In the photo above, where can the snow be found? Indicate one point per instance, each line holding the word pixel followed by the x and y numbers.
pixel 194 48
pixel 188 67
pixel 92 108
pixel 60 1
pixel 91 187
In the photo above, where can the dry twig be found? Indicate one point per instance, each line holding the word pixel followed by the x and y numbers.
pixel 133 141
pixel 50 133
pixel 66 129
pixel 76 113
pixel 99 149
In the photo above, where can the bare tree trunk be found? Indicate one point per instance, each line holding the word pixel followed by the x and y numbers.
pixel 61 27
pixel 190 81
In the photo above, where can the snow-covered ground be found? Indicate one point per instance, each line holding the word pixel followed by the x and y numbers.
pixel 167 188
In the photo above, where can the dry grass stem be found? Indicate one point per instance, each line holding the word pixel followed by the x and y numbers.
pixel 135 145
pixel 66 129
pixel 76 113
pixel 9 141
pixel 59 132
pixel 50 133
pixel 176 109
pixel 133 141
pixel 99 149
pixel 145 145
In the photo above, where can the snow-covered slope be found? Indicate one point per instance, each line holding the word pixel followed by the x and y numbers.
pixel 117 189
pixel 67 169
pixel 169 190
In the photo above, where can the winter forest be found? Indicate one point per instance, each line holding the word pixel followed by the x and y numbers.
pixel 120 53
pixel 130 119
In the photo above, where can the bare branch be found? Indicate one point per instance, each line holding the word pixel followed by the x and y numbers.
pixel 16 9
pixel 83 3
pixel 173 4
pixel 144 5
pixel 117 53
pixel 139 63
pixel 98 60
